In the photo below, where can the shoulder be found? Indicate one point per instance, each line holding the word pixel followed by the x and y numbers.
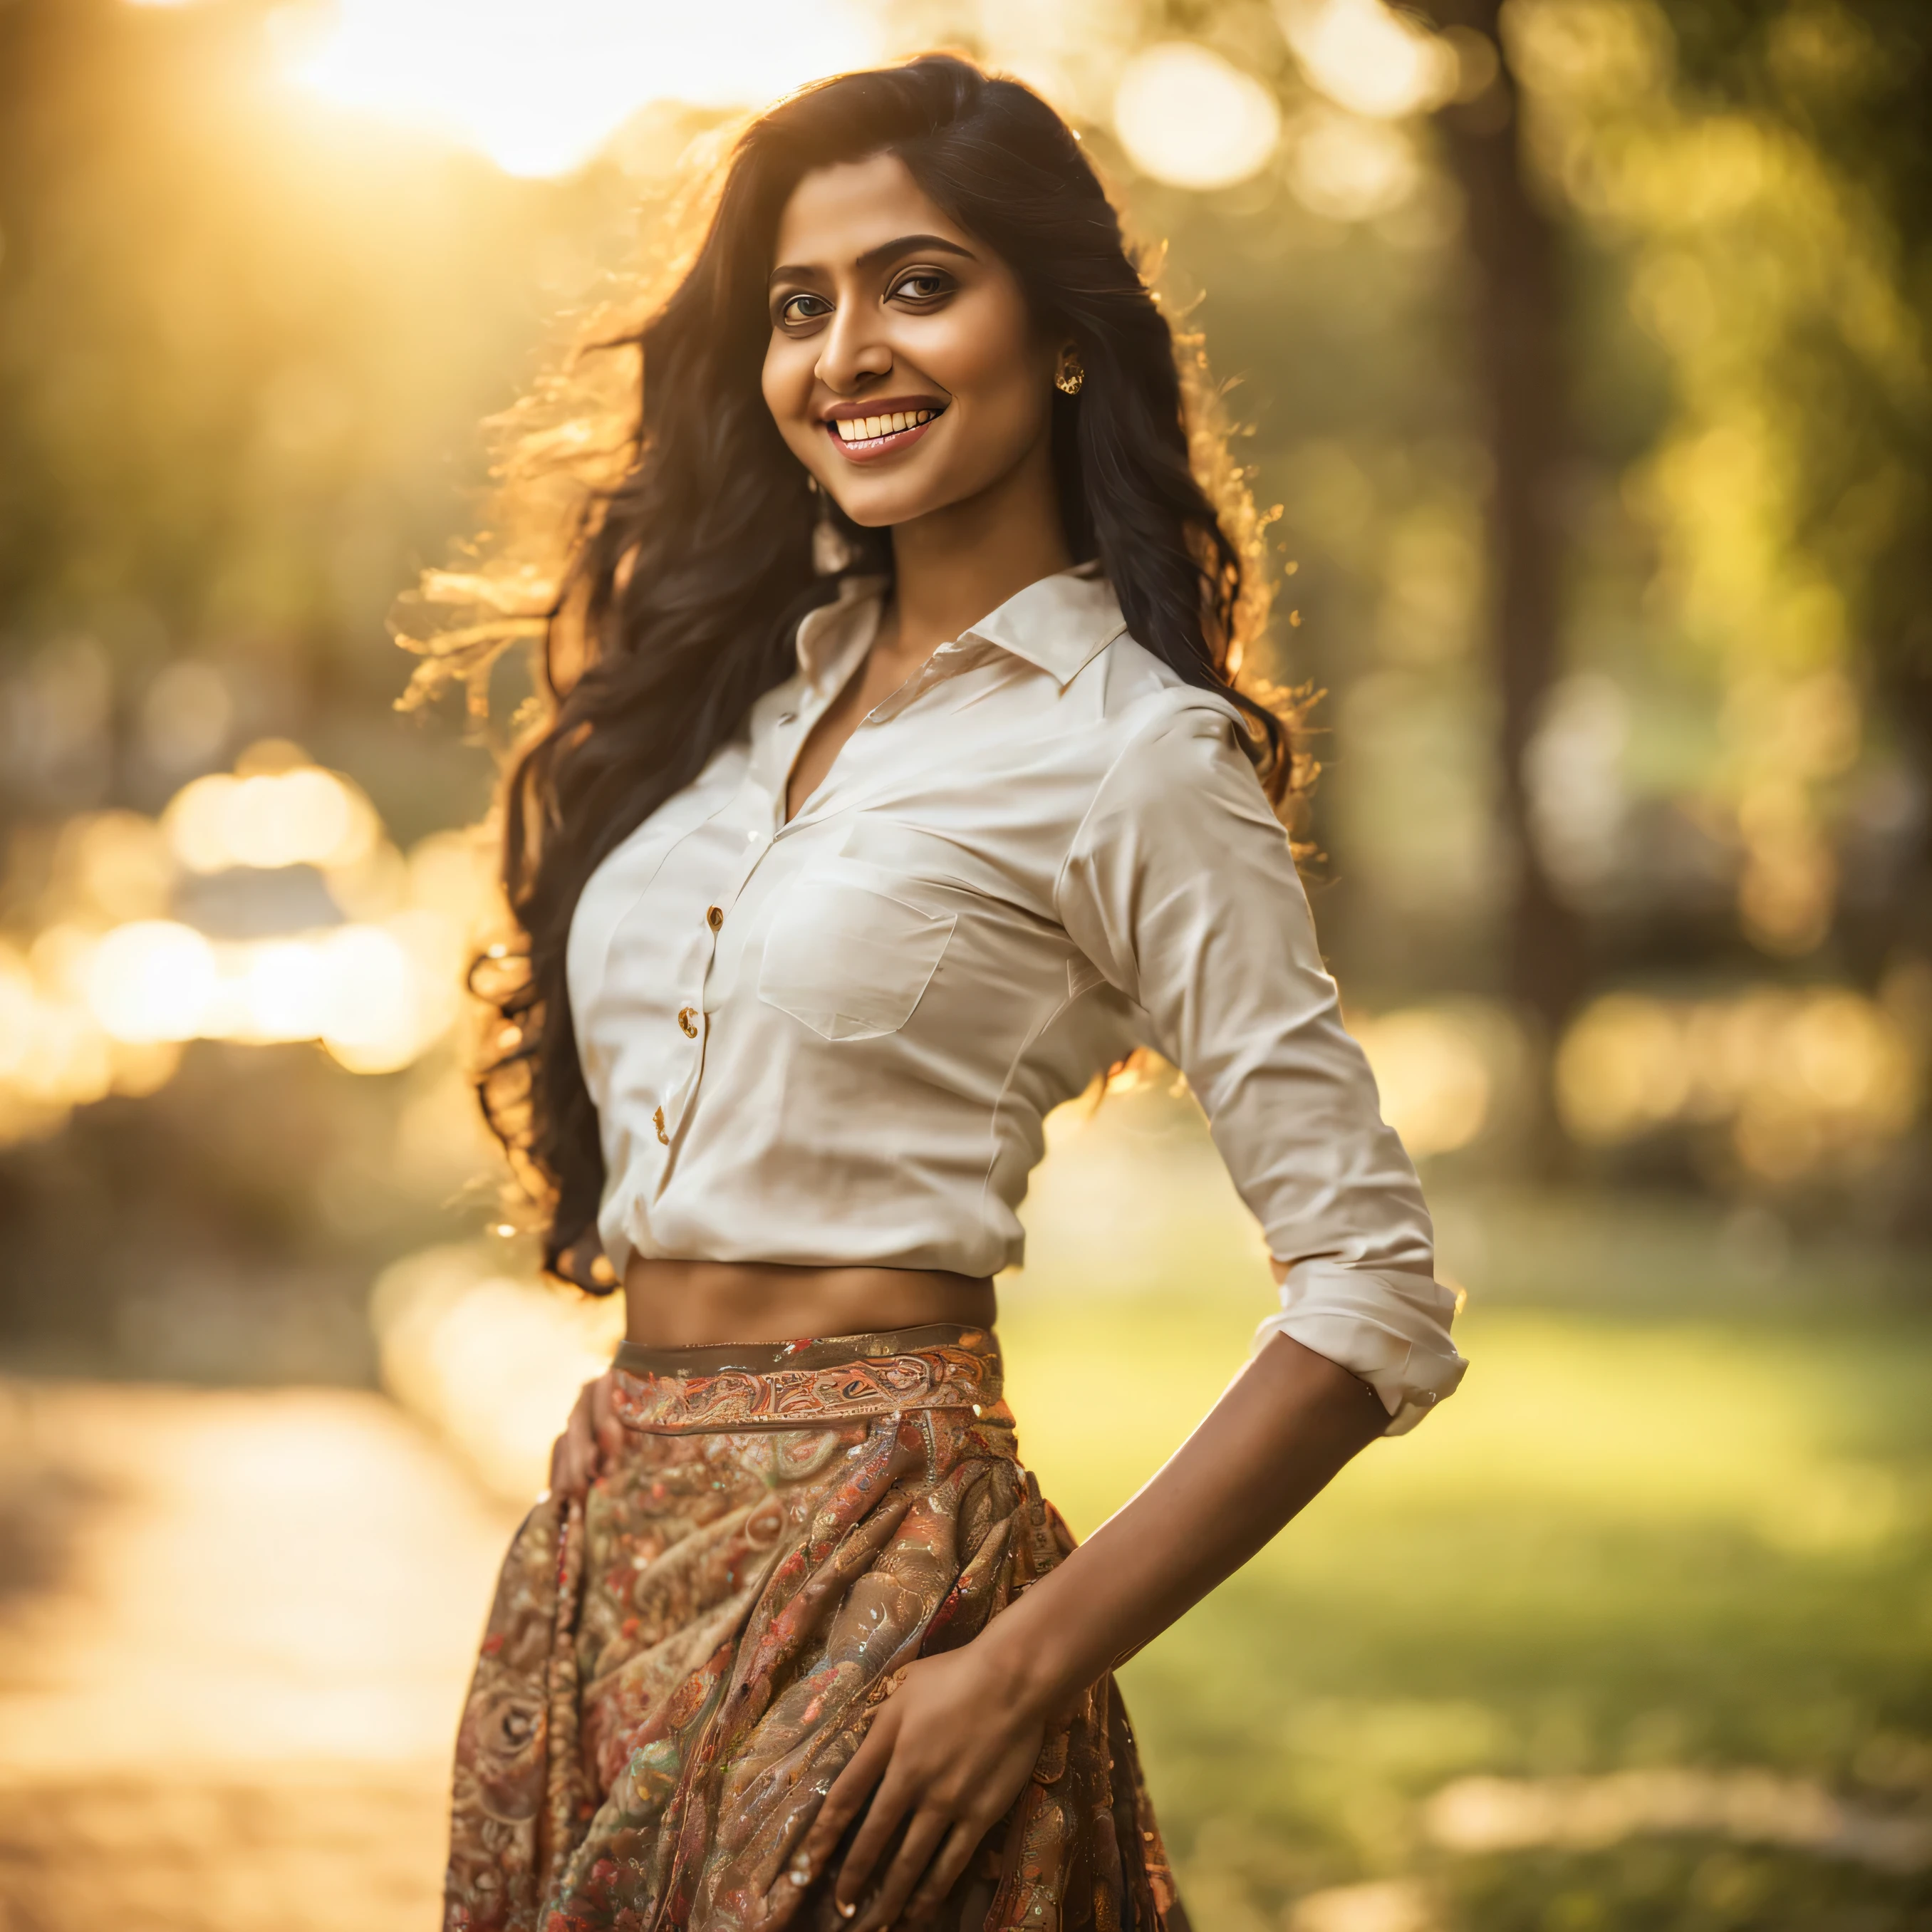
pixel 1171 782
pixel 1139 695
pixel 1158 732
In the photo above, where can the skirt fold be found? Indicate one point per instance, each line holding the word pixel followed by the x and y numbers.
pixel 675 1670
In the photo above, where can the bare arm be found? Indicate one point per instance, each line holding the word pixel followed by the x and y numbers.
pixel 953 1746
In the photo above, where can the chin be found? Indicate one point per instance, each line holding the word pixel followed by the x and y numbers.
pixel 879 509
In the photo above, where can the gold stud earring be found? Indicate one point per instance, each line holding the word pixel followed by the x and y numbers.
pixel 1070 377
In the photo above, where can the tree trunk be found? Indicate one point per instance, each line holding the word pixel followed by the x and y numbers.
pixel 1518 327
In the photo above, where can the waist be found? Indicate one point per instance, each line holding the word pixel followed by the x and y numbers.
pixel 805 1384
pixel 686 1304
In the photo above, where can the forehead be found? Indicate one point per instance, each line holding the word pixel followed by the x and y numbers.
pixel 836 214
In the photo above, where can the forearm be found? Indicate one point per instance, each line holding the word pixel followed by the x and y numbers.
pixel 1287 1424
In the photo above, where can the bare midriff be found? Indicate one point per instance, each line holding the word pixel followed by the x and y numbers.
pixel 679 1304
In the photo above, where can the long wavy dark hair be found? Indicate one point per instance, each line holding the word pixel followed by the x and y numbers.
pixel 680 539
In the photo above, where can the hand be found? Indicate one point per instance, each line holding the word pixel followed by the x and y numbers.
pixel 948 1751
pixel 590 1440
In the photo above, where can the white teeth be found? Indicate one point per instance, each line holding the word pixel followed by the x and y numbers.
pixel 867 429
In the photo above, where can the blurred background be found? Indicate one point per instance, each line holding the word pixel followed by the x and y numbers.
pixel 1583 345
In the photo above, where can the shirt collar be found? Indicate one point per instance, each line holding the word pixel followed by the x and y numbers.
pixel 1059 624
pixel 827 633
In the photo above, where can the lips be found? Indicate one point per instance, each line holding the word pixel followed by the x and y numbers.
pixel 863 433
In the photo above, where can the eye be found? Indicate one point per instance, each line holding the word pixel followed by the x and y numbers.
pixel 922 285
pixel 799 308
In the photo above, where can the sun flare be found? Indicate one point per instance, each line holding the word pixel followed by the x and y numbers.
pixel 540 89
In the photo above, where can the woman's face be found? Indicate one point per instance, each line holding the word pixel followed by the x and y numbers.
pixel 903 369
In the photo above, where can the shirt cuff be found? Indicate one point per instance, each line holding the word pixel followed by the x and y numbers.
pixel 1390 1326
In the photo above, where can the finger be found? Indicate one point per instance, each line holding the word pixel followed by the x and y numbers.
pixel 850 1789
pixel 893 1799
pixel 604 1425
pixel 923 1837
pixel 578 1450
pixel 942 1874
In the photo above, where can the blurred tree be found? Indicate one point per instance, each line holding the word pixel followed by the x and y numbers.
pixel 1520 331
pixel 1852 79
pixel 1750 178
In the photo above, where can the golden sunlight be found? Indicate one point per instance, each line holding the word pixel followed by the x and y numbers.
pixel 341 938
pixel 490 1360
pixel 540 89
pixel 1189 118
pixel 1370 58
pixel 1434 1080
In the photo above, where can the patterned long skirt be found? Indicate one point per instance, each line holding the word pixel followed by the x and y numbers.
pixel 676 1670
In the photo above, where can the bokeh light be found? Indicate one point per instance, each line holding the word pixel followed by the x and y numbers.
pixel 1188 117
pixel 1368 58
pixel 153 979
pixel 117 862
pixel 302 816
pixel 1800 1081
pixel 120 976
pixel 491 1360
pixel 1434 1075
pixel 1345 167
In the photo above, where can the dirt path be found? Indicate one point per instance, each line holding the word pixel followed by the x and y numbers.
pixel 234 1631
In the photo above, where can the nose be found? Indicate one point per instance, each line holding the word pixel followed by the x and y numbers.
pixel 851 349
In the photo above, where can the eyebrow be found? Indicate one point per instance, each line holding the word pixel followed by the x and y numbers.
pixel 886 251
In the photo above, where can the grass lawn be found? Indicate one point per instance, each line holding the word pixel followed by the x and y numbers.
pixel 1661 1536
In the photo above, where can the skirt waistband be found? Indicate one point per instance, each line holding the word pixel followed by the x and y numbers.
pixel 803 1383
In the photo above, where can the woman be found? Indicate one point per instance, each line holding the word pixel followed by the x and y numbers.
pixel 898 787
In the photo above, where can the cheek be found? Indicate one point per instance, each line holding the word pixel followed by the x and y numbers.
pixel 987 357
pixel 982 356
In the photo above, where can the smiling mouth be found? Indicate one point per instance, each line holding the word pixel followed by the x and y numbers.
pixel 860 437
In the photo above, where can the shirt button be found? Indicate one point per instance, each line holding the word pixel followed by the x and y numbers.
pixel 687 1017
pixel 714 917
pixel 657 1120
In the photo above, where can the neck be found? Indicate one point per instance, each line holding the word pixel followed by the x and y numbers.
pixel 954 565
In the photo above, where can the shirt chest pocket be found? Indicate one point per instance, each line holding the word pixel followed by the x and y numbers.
pixel 847 960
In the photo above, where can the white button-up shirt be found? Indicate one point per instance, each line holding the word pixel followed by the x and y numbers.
pixel 832 1042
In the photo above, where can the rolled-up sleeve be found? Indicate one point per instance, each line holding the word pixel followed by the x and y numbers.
pixel 1181 888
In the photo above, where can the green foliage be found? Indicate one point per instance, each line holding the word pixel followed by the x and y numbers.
pixel 1851 80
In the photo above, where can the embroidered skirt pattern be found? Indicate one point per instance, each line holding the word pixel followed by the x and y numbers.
pixel 675 1670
